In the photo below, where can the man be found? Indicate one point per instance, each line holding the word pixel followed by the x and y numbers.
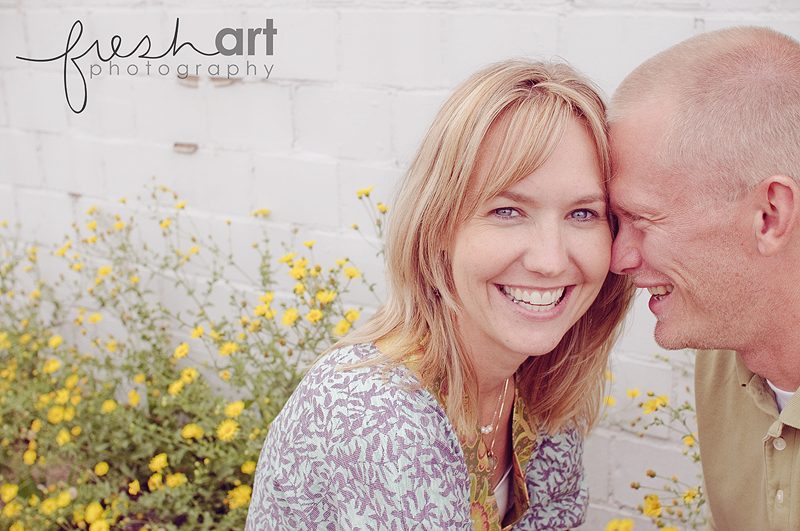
pixel 705 141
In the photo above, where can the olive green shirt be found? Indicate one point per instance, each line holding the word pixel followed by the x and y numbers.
pixel 750 454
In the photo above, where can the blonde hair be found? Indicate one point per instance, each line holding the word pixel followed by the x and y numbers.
pixel 419 316
pixel 732 98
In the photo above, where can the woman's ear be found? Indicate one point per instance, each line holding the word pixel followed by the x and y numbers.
pixel 776 203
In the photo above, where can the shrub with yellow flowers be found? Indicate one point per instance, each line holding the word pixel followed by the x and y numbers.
pixel 676 503
pixel 138 379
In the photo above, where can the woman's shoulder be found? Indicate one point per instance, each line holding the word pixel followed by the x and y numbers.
pixel 346 405
pixel 342 383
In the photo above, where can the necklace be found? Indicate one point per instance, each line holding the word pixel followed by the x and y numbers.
pixel 490 428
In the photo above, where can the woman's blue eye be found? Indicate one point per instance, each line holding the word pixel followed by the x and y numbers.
pixel 583 215
pixel 505 212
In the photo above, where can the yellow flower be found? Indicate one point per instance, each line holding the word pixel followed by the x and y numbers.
pixel 197 332
pixel 36 425
pixel 158 462
pixel 63 437
pixel 91 239
pixel 188 374
pixel 689 440
pixel 633 393
pixel 101 468
pixel 341 328
pixel 8 492
pixel 139 378
pixel 76 430
pixel 164 224
pixel 103 271
pixel 54 341
pixel 119 225
pixel 314 315
pixel 78 266
pixel 260 212
pixel 175 480
pixel 228 348
pixel 227 429
pixel 181 351
pixel 91 225
pixel 62 396
pixel 134 398
pixel 297 272
pixel 134 280
pixel 691 494
pixel 249 467
pixel 134 487
pixel 112 345
pixel 92 209
pixel 11 509
pixel 383 208
pixel 364 192
pixel 655 403
pixel 109 406
pixel 351 272
pixel 289 317
pixel 24 339
pixel 55 414
pixel 267 297
pixel 234 409
pixel 299 288
pixel 35 294
pixel 652 507
pixel 310 243
pixel 95 318
pixel 180 205
pixel 225 375
pixel 175 387
pixel 609 400
pixel 610 376
pixel 29 457
pixel 63 499
pixel 352 315
pixel 620 525
pixel 154 483
pixel 51 365
pixel 261 309
pixel 325 297
pixel 238 497
pixel 192 431
pixel 287 258
pixel 94 512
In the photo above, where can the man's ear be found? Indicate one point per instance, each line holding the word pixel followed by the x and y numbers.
pixel 776 203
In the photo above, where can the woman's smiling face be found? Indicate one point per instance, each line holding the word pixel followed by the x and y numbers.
pixel 530 261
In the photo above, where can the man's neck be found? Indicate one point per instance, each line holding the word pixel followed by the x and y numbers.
pixel 781 368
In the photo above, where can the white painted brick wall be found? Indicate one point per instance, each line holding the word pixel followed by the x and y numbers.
pixel 354 85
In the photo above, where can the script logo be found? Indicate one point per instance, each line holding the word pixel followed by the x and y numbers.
pixel 77 103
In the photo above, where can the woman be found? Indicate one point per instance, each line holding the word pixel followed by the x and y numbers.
pixel 463 402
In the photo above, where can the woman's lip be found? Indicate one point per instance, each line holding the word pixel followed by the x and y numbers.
pixel 559 293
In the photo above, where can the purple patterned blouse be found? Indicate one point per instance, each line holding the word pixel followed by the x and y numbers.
pixel 355 450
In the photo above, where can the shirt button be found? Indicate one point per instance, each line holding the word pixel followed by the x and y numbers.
pixel 779 443
pixel 779 497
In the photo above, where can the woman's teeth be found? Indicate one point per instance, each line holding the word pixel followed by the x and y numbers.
pixel 534 300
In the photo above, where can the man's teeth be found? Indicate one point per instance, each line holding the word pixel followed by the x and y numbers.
pixel 536 300
pixel 659 290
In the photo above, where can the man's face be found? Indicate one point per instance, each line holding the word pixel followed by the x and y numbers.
pixel 674 241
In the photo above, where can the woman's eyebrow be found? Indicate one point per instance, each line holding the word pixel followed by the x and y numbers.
pixel 522 198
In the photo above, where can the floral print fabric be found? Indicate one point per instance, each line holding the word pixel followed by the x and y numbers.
pixel 355 449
